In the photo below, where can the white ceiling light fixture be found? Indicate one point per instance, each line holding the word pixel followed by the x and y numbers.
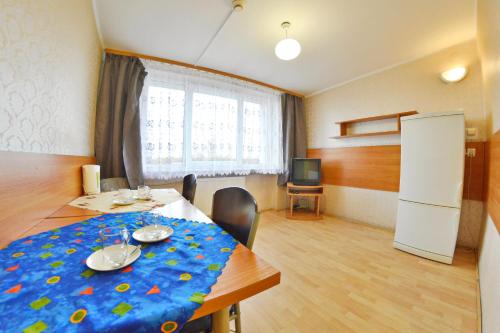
pixel 238 5
pixel 454 75
pixel 288 48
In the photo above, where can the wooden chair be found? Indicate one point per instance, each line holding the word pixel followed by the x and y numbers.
pixel 189 187
pixel 235 210
pixel 200 325
pixel 113 184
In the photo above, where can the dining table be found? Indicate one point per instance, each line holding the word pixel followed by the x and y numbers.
pixel 244 275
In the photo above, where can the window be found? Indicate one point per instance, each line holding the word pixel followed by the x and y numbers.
pixel 194 122
pixel 213 128
pixel 165 124
pixel 253 130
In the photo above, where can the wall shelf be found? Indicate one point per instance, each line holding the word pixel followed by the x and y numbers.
pixel 344 125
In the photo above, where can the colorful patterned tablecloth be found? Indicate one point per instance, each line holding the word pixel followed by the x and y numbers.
pixel 45 285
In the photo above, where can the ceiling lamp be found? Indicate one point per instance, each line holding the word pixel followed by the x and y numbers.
pixel 454 75
pixel 288 48
pixel 238 5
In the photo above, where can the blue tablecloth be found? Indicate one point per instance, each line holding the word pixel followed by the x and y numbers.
pixel 45 285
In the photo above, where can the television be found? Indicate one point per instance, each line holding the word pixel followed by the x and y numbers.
pixel 306 171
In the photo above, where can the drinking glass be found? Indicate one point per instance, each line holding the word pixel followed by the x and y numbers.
pixel 143 191
pixel 115 245
pixel 154 228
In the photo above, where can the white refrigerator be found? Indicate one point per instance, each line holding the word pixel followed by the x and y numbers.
pixel 431 183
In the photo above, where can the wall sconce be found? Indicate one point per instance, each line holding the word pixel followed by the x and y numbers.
pixel 454 75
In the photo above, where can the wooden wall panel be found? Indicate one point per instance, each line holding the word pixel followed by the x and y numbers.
pixel 375 168
pixel 474 172
pixel 493 176
pixel 378 168
pixel 33 186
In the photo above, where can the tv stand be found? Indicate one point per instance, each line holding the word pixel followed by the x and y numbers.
pixel 315 192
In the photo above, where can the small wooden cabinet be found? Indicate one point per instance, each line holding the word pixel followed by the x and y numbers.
pixel 299 191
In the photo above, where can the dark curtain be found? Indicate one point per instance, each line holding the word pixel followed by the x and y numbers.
pixel 117 129
pixel 294 133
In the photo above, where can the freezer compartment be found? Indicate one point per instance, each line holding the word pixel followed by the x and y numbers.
pixel 427 230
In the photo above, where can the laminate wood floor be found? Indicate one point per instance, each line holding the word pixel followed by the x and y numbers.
pixel 341 276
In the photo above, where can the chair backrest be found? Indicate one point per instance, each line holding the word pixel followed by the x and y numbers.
pixel 189 187
pixel 235 210
pixel 113 184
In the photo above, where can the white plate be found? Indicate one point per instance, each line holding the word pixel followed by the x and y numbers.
pixel 97 262
pixel 123 202
pixel 146 234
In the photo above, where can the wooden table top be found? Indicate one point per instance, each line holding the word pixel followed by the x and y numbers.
pixel 72 211
pixel 244 275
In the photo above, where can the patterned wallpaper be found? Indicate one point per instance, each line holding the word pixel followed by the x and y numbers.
pixel 49 64
pixel 414 85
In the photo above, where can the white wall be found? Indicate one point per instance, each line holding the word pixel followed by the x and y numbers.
pixel 488 28
pixel 380 208
pixel 415 85
pixel 263 188
pixel 369 206
pixel 49 64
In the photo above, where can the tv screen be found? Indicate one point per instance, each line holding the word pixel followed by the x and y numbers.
pixel 306 171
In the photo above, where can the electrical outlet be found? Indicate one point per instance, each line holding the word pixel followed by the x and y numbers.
pixel 471 132
pixel 471 152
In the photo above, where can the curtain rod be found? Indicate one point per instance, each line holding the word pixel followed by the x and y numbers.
pixel 201 68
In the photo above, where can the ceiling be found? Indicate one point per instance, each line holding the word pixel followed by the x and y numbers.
pixel 341 39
